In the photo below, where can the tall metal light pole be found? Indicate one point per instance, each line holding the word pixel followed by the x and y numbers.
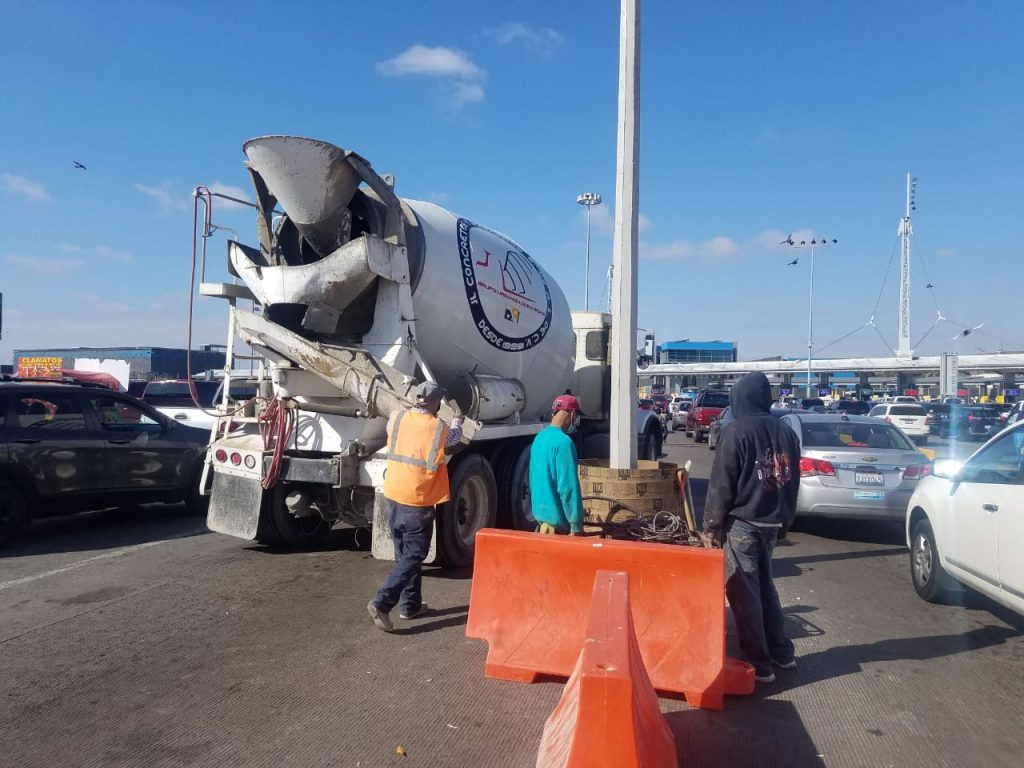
pixel 905 232
pixel 589 199
pixel 624 255
pixel 816 243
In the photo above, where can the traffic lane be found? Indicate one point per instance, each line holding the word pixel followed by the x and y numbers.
pixel 49 542
pixel 882 675
pixel 70 565
pixel 263 658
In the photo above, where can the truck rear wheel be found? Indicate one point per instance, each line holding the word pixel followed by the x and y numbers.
pixel 277 524
pixel 512 472
pixel 473 505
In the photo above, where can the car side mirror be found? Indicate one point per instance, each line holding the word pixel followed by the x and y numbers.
pixel 947 468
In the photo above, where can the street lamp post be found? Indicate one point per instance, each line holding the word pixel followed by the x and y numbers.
pixel 589 199
pixel 816 243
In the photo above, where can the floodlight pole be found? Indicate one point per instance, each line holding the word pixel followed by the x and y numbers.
pixel 589 199
pixel 624 257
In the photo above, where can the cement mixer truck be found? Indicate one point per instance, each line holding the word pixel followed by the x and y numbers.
pixel 355 296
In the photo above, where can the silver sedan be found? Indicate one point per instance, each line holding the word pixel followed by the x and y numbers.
pixel 855 466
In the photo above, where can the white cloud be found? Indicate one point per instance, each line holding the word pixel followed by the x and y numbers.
pixel 43 266
pixel 220 203
pixel 19 186
pixel 434 62
pixel 463 79
pixel 946 253
pixel 602 219
pixel 99 252
pixel 542 41
pixel 168 200
pixel 106 306
pixel 716 249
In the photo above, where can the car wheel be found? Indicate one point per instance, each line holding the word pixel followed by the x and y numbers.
pixel 14 511
pixel 698 437
pixel 473 505
pixel 929 577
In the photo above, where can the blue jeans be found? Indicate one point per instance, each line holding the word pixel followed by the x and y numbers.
pixel 412 529
pixel 751 592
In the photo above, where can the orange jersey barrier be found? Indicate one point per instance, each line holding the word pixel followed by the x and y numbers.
pixel 531 593
pixel 608 716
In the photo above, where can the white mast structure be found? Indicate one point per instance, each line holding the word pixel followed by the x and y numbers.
pixel 905 231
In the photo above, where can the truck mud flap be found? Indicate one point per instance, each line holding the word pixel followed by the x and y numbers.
pixel 235 505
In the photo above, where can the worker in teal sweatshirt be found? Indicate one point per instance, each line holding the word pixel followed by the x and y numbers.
pixel 555 494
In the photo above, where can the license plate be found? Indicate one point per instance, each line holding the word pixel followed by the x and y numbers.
pixel 873 495
pixel 907 421
pixel 868 478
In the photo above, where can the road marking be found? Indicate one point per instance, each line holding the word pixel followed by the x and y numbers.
pixel 96 558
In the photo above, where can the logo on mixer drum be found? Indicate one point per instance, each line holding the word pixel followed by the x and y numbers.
pixel 508 294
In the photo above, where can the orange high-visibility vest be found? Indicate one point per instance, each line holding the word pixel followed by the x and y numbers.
pixel 416 473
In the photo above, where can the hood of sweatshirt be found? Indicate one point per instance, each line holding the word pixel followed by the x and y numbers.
pixel 751 396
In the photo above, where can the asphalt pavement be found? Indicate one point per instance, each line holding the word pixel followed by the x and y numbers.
pixel 136 638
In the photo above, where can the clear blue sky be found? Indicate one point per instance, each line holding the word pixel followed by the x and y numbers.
pixel 758 119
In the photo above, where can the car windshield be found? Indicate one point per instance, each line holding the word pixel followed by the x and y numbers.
pixel 853 434
pixel 715 400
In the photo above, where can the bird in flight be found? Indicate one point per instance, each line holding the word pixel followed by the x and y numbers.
pixel 929 286
pixel 967 331
pixel 794 261
pixel 788 240
pixel 79 166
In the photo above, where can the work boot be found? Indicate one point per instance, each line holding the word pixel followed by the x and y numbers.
pixel 407 614
pixel 381 619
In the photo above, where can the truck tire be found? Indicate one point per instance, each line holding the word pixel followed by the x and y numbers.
pixel 277 524
pixel 512 473
pixel 651 448
pixel 698 436
pixel 14 511
pixel 473 505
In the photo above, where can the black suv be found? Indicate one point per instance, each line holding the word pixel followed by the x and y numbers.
pixel 67 448
pixel 850 407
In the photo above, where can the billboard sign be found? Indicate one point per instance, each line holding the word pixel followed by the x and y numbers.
pixel 40 367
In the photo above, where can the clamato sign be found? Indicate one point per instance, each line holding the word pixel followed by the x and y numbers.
pixel 40 367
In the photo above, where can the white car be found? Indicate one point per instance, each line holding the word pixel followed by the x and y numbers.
pixel 965 523
pixel 910 417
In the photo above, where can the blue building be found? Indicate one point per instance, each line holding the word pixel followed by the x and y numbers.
pixel 143 362
pixel 687 351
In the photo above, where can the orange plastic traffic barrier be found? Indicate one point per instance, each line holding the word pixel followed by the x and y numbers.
pixel 531 593
pixel 608 716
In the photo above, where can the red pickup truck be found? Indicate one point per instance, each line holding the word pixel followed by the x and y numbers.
pixel 705 409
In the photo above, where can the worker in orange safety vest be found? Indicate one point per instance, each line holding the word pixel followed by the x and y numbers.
pixel 415 482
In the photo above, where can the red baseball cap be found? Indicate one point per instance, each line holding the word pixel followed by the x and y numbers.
pixel 565 403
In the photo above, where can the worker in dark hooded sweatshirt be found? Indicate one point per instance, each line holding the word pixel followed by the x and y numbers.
pixel 751 499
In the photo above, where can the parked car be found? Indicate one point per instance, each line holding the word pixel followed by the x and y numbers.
pixel 964 422
pixel 67 448
pixel 911 418
pixel 850 407
pixel 1015 414
pixel 173 398
pixel 706 407
pixel 724 419
pixel 680 412
pixel 965 523
pixel 854 466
